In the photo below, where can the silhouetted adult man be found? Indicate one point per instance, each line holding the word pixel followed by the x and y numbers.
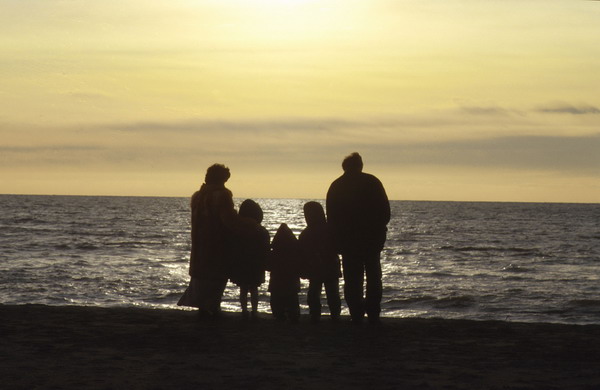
pixel 358 210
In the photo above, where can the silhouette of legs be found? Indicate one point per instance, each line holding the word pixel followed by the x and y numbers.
pixel 277 306
pixel 314 299
pixel 285 305
pixel 253 291
pixel 332 289
pixel 293 307
pixel 356 265
pixel 244 300
pixel 254 299
pixel 374 287
pixel 205 294
pixel 353 270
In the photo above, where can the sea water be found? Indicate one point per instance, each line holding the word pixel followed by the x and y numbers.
pixel 502 261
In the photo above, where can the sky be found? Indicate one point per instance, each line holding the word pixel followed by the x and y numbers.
pixel 463 100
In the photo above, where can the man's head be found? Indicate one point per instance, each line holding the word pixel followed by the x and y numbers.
pixel 217 174
pixel 353 163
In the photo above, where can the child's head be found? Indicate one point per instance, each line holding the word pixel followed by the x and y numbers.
pixel 314 214
pixel 251 209
pixel 284 238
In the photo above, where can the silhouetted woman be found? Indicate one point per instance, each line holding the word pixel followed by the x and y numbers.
pixel 214 220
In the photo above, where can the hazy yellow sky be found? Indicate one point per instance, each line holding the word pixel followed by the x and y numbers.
pixel 445 99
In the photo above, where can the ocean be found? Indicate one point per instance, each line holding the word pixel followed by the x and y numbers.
pixel 530 262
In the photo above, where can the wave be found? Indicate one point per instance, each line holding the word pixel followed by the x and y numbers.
pixel 585 303
pixel 513 251
pixel 86 247
pixel 514 278
pixel 578 310
pixel 134 244
pixel 589 236
pixel 462 301
pixel 37 221
pixel 411 301
pixel 97 233
pixel 514 268
pixel 167 297
pixel 404 251
pixel 14 230
pixel 442 274
pixel 470 248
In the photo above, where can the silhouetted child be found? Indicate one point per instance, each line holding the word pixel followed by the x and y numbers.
pixel 321 263
pixel 249 260
pixel 284 283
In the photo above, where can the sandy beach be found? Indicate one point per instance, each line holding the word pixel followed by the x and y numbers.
pixel 71 347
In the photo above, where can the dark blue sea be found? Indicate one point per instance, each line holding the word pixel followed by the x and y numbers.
pixel 532 262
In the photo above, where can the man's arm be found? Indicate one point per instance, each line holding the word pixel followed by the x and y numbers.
pixel 384 205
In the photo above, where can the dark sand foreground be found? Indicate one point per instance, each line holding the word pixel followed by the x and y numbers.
pixel 45 347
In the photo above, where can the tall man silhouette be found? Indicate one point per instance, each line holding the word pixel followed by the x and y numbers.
pixel 358 211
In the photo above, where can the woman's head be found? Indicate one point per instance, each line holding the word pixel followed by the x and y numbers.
pixel 217 174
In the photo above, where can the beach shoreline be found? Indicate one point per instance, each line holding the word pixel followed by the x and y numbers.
pixel 70 347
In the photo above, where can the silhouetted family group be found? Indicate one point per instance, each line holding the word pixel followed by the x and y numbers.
pixel 230 245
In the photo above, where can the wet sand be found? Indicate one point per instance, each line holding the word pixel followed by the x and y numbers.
pixel 70 347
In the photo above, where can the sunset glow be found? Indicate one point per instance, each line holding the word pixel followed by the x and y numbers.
pixel 454 100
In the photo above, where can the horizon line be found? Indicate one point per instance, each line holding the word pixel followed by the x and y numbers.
pixel 306 198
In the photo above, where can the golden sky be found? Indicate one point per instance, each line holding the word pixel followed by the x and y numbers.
pixel 445 100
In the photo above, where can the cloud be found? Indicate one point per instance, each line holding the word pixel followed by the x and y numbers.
pixel 48 156
pixel 564 108
pixel 577 154
pixel 555 108
pixel 48 148
pixel 291 124
pixel 310 143
pixel 88 96
pixel 288 124
pixel 487 110
pixel 307 126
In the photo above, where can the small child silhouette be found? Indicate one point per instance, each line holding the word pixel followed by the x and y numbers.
pixel 250 253
pixel 284 283
pixel 321 264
